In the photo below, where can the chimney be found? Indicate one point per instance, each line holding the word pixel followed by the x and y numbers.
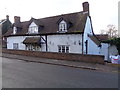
pixel 16 19
pixel 7 17
pixel 85 7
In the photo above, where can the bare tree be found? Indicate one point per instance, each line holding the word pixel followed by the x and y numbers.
pixel 102 32
pixel 111 31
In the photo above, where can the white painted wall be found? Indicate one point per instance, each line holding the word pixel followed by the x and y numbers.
pixel 93 48
pixel 16 39
pixel 43 46
pixel 104 50
pixel 19 40
pixel 108 50
pixel 55 40
pixel 52 42
pixel 88 30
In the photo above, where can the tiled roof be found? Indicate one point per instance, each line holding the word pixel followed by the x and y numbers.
pixel 94 39
pixel 102 37
pixel 31 40
pixel 3 20
pixel 50 24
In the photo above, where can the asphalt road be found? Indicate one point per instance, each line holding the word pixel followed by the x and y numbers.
pixel 21 74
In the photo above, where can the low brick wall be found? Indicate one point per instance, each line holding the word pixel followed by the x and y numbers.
pixel 60 56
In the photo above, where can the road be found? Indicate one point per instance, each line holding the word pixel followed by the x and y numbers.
pixel 21 74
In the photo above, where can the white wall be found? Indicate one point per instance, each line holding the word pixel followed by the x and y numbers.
pixel 19 40
pixel 43 46
pixel 104 50
pixel 88 30
pixel 52 42
pixel 55 40
pixel 16 39
pixel 93 48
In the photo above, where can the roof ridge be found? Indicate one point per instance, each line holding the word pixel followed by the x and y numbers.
pixel 54 16
pixel 59 15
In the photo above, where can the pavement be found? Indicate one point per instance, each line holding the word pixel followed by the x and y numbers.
pixel 107 67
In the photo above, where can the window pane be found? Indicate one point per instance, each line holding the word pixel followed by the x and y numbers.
pixel 15 45
pixel 63 49
pixel 59 48
pixel 33 29
pixel 62 27
pixel 67 49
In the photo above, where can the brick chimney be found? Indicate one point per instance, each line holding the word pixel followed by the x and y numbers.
pixel 16 19
pixel 85 7
pixel 7 17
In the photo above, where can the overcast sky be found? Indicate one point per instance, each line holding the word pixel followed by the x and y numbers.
pixel 102 12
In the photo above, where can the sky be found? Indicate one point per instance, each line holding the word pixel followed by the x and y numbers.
pixel 102 12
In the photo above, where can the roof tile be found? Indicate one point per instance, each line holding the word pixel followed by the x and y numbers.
pixel 50 24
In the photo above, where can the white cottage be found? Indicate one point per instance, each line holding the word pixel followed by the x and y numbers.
pixel 68 33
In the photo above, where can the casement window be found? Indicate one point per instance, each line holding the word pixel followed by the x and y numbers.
pixel 32 47
pixel 33 29
pixel 63 26
pixel 63 48
pixel 15 46
pixel 14 30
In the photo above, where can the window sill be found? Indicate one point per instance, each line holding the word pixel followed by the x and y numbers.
pixel 61 31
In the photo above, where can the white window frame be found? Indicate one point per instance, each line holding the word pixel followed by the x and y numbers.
pixel 14 30
pixel 15 46
pixel 31 47
pixel 33 29
pixel 62 26
pixel 63 48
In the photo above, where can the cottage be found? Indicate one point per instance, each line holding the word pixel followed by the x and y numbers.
pixel 106 48
pixel 5 24
pixel 67 33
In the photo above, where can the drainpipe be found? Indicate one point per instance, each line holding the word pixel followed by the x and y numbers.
pixel 108 52
pixel 46 43
pixel 82 43
pixel 86 44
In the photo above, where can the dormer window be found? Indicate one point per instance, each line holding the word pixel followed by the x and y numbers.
pixel 14 30
pixel 33 28
pixel 62 26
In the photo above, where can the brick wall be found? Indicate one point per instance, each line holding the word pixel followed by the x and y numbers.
pixel 60 56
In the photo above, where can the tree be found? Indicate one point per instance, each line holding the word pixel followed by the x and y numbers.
pixel 102 32
pixel 111 31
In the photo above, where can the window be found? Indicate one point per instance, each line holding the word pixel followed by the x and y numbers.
pixel 59 49
pixel 62 26
pixel 67 49
pixel 14 30
pixel 33 29
pixel 29 47
pixel 32 47
pixel 15 46
pixel 63 49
